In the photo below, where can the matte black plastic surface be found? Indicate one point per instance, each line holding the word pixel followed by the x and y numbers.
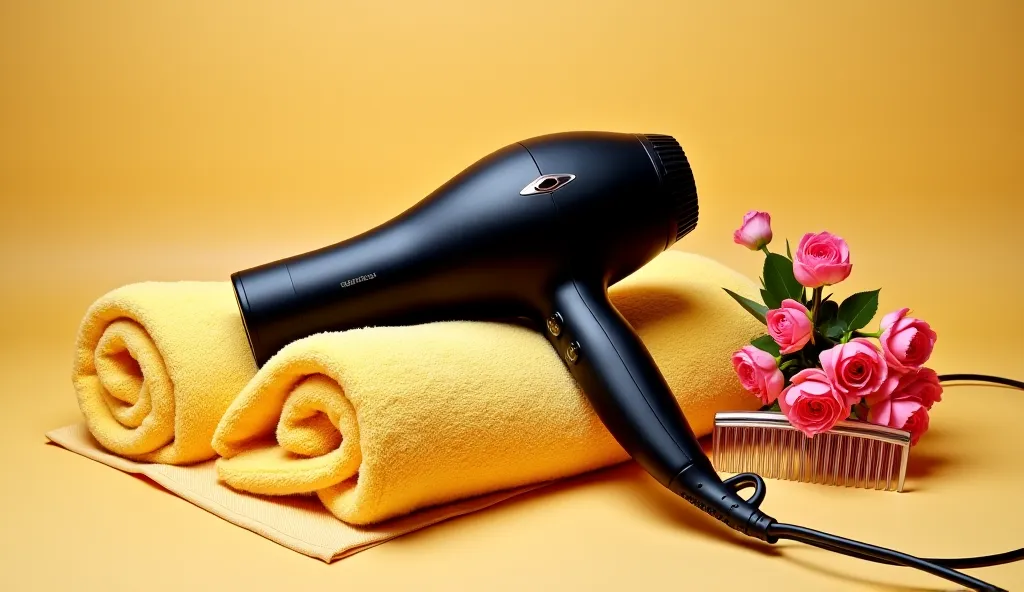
pixel 477 249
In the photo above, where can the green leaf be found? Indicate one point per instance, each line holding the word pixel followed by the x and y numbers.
pixel 767 344
pixel 835 329
pixel 755 308
pixel 788 252
pixel 827 311
pixel 779 279
pixel 858 310
pixel 770 300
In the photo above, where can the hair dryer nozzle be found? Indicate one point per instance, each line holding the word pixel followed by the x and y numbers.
pixel 677 178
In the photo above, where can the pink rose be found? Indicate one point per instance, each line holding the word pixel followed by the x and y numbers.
pixel 902 395
pixel 904 414
pixel 758 373
pixel 790 326
pixel 917 425
pixel 906 341
pixel 856 368
pixel 811 404
pixel 755 232
pixel 821 259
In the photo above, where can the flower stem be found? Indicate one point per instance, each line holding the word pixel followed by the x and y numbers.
pixel 814 312
pixel 787 364
pixel 765 249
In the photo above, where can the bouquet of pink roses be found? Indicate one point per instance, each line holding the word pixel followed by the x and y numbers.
pixel 817 363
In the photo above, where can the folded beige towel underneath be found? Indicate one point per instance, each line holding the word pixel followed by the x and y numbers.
pixel 300 523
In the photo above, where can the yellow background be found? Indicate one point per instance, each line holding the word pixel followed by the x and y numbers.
pixel 188 140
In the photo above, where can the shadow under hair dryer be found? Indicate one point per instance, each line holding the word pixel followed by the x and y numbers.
pixel 538 229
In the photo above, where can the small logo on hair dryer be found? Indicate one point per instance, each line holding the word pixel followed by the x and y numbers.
pixel 356 280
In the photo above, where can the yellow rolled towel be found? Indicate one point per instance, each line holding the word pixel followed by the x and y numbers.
pixel 383 421
pixel 157 364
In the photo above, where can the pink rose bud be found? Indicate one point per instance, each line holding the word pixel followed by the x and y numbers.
pixel 790 326
pixel 755 232
pixel 856 368
pixel 811 404
pixel 821 259
pixel 906 341
pixel 758 373
pixel 902 395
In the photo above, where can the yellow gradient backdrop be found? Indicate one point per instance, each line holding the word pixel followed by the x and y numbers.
pixel 187 140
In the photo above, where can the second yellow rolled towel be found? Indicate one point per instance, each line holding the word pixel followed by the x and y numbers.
pixel 380 422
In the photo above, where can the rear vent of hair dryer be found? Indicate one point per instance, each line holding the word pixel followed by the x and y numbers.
pixel 680 188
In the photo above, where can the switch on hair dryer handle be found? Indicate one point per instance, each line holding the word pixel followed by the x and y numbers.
pixel 622 382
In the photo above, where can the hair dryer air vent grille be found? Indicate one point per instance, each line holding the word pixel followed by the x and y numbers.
pixel 679 183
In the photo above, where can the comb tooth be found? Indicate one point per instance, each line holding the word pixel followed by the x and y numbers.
pixel 826 442
pixel 795 456
pixel 787 456
pixel 724 448
pixel 812 446
pixel 779 454
pixel 785 453
pixel 825 457
pixel 755 449
pixel 743 451
pixel 775 454
pixel 888 472
pixel 904 454
pixel 806 472
pixel 837 457
pixel 752 463
pixel 762 452
pixel 878 464
pixel 716 446
pixel 801 463
pixel 846 463
pixel 869 462
pixel 837 460
pixel 727 439
pixel 872 463
pixel 808 467
pixel 748 452
pixel 809 473
pixel 737 458
pixel 736 449
pixel 858 463
pixel 752 450
pixel 815 466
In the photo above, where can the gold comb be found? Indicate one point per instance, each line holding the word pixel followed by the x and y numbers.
pixel 851 454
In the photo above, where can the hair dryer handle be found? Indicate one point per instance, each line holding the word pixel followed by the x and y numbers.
pixel 629 394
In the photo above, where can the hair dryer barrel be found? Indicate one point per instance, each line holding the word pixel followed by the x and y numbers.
pixel 474 248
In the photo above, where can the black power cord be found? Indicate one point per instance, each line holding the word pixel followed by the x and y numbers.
pixel 861 550
pixel 941 567
pixel 982 378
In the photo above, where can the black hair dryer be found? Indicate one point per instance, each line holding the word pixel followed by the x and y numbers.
pixel 538 229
